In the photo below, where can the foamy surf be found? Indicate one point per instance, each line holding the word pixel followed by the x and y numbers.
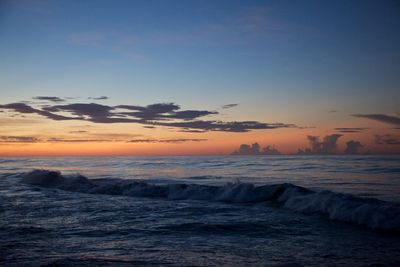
pixel 369 212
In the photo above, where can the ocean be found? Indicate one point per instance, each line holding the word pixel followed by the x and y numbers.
pixel 200 211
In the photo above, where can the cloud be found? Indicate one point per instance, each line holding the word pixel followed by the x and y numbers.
pixel 80 131
pixel 49 98
pixel 387 139
pixel 25 109
pixel 99 98
pixel 32 139
pixel 103 137
pixel 351 130
pixel 159 114
pixel 325 147
pixel 192 131
pixel 380 117
pixel 164 111
pixel 67 140
pixel 235 126
pixel 178 140
pixel 19 139
pixel 95 112
pixel 353 147
pixel 255 149
pixel 229 106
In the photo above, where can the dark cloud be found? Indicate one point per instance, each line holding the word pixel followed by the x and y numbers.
pixel 235 126
pixel 19 139
pixel 190 114
pixel 158 108
pixel 99 98
pixel 325 147
pixel 142 141
pixel 94 138
pixel 81 131
pixel 161 114
pixel 49 98
pixel 192 131
pixel 350 130
pixel 230 106
pixel 178 140
pixel 92 110
pixel 65 140
pixel 332 111
pixel 255 149
pixel 380 117
pixel 164 111
pixel 24 108
pixel 387 139
pixel 32 139
pixel 353 147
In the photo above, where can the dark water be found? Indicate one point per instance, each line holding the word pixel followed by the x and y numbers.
pixel 200 211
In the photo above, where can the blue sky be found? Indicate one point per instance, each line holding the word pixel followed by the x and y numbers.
pixel 281 60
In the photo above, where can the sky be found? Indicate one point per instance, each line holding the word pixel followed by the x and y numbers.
pixel 86 78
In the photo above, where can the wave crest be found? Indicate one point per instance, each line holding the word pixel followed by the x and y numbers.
pixel 373 213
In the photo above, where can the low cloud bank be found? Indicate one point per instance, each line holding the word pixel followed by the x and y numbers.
pixel 353 147
pixel 255 149
pixel 326 146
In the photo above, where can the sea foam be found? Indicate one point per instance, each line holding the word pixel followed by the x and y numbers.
pixel 372 213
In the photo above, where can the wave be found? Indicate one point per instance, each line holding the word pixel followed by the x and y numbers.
pixel 370 212
pixel 98 261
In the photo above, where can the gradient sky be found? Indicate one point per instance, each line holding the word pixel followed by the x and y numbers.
pixel 296 69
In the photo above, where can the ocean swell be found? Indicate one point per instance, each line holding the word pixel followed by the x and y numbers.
pixel 373 213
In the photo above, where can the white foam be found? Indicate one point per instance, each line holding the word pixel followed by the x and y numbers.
pixel 372 213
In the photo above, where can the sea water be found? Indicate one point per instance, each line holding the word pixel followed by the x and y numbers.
pixel 200 211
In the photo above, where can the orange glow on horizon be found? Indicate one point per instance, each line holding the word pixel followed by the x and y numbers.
pixel 287 141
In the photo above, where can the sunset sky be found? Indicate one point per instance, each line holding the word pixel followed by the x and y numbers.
pixel 199 77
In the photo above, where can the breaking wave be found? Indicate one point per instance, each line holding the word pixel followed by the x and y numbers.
pixel 373 213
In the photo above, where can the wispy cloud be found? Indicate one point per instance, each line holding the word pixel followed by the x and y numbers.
pixel 248 24
pixel 68 140
pixel 177 140
pixel 35 139
pixel 381 118
pixel 99 98
pixel 79 131
pixel 192 131
pixel 351 130
pixel 19 139
pixel 230 106
pixel 387 139
pixel 49 98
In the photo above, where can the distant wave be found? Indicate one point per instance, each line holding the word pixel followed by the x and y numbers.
pixel 373 213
